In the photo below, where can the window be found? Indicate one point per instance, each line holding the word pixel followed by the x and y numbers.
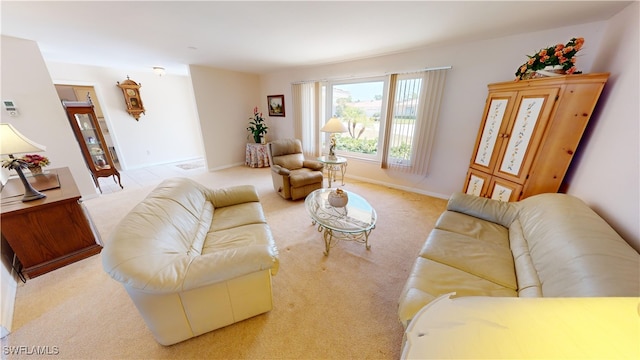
pixel 389 119
pixel 360 107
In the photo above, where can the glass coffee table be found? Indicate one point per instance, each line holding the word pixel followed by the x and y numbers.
pixel 353 222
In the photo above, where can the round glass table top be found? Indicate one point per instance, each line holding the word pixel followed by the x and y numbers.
pixel 357 216
pixel 335 160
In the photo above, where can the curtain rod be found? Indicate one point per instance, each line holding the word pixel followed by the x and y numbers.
pixel 366 76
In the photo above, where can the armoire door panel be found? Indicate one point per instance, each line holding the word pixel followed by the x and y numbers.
pixel 477 183
pixel 503 190
pixel 525 133
pixel 494 125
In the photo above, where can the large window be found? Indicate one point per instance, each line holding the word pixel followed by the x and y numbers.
pixel 361 107
pixel 390 119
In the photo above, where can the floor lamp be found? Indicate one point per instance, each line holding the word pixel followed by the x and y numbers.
pixel 333 126
pixel 13 142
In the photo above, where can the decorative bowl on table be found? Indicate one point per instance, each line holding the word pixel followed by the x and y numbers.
pixel 338 198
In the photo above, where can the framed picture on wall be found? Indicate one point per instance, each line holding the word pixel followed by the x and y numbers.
pixel 275 103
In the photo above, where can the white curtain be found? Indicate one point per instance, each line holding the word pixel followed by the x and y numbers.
pixel 427 113
pixel 306 116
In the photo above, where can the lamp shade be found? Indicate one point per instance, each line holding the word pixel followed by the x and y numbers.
pixel 13 142
pixel 334 125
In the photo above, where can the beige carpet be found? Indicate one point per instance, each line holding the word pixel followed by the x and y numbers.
pixel 338 307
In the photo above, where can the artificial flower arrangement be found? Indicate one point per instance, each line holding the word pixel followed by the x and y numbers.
pixel 561 57
pixel 27 161
pixel 35 160
pixel 257 126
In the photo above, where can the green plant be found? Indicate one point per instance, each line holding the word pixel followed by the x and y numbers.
pixel 558 55
pixel 257 126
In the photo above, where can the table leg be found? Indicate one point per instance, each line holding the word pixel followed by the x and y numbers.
pixel 330 175
pixel 328 236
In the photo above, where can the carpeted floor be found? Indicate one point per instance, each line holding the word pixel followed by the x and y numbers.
pixel 338 307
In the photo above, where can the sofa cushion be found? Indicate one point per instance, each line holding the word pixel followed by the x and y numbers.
pixel 483 259
pixel 430 279
pixel 474 228
pixel 234 216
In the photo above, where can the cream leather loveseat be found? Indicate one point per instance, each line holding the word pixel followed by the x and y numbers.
pixel 548 245
pixel 194 259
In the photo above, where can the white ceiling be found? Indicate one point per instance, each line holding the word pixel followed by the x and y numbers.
pixel 266 36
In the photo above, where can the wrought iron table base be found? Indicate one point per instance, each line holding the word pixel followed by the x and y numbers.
pixel 329 235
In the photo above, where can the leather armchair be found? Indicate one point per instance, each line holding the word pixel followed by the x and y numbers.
pixel 293 176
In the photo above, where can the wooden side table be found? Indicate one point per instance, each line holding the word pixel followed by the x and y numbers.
pixel 51 232
pixel 256 155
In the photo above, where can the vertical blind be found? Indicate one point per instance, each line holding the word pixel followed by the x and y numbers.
pixel 412 119
pixel 306 116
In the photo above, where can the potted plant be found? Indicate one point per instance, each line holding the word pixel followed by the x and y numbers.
pixel 256 126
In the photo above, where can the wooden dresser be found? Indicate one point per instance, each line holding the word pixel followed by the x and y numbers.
pixel 48 233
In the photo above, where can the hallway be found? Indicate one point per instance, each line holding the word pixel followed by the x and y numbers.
pixel 138 178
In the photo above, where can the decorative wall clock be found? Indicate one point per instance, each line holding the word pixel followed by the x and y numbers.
pixel 131 92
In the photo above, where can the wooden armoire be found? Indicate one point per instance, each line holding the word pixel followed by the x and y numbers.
pixel 529 134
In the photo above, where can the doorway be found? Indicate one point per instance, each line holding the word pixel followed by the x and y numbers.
pixel 81 93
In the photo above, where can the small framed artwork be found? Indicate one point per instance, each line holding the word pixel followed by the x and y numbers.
pixel 276 105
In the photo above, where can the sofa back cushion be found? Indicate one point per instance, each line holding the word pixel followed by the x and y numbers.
pixel 574 251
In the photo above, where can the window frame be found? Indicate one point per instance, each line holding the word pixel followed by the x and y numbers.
pixel 328 106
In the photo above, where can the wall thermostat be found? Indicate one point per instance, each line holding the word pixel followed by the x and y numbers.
pixel 10 107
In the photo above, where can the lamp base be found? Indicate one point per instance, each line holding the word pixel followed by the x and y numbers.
pixel 30 193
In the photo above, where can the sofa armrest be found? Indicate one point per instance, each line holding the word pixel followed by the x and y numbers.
pixel 233 195
pixel 280 170
pixel 313 165
pixel 498 212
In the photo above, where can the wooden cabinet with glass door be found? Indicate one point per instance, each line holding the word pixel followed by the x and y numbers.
pixel 529 134
pixel 94 148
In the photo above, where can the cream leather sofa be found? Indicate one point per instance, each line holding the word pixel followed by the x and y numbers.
pixel 548 245
pixel 194 259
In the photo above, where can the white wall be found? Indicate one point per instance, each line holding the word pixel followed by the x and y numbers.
pixel 474 66
pixel 169 130
pixel 606 174
pixel 225 101
pixel 26 80
pixel 42 119
pixel 613 140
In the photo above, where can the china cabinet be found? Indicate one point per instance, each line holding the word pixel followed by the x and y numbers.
pixel 529 134
pixel 94 147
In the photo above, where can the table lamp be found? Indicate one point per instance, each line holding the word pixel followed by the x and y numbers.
pixel 13 142
pixel 333 126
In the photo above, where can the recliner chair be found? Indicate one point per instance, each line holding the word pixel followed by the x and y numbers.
pixel 293 176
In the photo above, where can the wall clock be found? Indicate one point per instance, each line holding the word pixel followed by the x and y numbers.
pixel 131 92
